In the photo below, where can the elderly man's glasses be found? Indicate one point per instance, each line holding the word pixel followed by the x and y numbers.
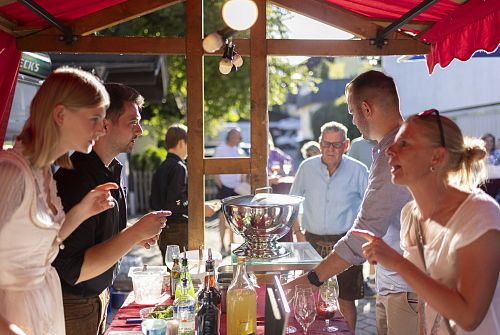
pixel 335 145
pixel 438 118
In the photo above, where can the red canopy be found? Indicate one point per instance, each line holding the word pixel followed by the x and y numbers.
pixel 458 31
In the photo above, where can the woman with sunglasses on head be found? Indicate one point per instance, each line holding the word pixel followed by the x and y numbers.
pixel 450 233
pixel 66 114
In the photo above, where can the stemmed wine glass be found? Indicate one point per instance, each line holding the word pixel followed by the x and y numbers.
pixel 287 167
pixel 275 168
pixel 173 251
pixel 328 303
pixel 305 308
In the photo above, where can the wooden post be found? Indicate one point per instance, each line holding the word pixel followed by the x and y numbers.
pixel 259 117
pixel 194 75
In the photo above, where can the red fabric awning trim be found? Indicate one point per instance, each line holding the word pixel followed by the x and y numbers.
pixel 394 9
pixel 63 10
pixel 474 26
pixel 9 65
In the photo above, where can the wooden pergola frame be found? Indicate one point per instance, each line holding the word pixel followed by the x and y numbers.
pixel 257 47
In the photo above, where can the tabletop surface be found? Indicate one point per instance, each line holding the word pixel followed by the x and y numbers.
pixel 130 309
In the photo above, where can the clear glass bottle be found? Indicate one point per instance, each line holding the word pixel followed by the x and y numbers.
pixel 208 316
pixel 209 283
pixel 175 274
pixel 185 274
pixel 184 309
pixel 241 303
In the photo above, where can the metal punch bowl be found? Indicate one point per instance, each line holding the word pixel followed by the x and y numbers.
pixel 261 219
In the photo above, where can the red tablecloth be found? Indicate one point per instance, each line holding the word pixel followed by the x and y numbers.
pixel 131 310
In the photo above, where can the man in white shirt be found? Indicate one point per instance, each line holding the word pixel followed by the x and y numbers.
pixel 226 183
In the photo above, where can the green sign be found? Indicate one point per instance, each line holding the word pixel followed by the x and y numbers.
pixel 35 64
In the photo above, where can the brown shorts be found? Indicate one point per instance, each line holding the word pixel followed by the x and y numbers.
pixel 85 316
pixel 351 280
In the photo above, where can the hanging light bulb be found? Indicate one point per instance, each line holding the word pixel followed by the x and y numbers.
pixel 226 62
pixel 239 14
pixel 215 40
pixel 237 60
pixel 212 42
pixel 225 65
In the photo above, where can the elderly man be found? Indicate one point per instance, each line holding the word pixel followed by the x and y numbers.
pixel 374 104
pixel 226 183
pixel 333 185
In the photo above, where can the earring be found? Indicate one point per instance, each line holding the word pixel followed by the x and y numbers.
pixel 432 168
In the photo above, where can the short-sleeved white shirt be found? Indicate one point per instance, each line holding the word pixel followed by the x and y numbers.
pixel 223 150
pixel 478 214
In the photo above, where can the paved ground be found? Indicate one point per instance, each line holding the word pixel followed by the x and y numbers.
pixel 138 256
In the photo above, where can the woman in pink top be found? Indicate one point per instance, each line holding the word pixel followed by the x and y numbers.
pixel 450 233
pixel 66 114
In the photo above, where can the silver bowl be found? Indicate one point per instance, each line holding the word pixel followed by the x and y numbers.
pixel 261 219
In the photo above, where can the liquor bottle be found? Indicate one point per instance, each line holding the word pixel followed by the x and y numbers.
pixel 209 282
pixel 208 316
pixel 175 274
pixel 185 274
pixel 184 307
pixel 241 303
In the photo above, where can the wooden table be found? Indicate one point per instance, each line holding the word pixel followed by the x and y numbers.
pixel 131 310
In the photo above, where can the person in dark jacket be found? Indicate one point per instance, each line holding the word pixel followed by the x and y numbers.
pixel 89 261
pixel 169 189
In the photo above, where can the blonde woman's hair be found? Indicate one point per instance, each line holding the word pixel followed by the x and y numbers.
pixel 70 87
pixel 465 165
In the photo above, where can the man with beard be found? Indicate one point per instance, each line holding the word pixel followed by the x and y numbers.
pixel 89 260
pixel 373 101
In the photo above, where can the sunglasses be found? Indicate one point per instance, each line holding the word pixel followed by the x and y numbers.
pixel 438 118
pixel 335 145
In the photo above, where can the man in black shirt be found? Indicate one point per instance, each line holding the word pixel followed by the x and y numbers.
pixel 169 189
pixel 89 262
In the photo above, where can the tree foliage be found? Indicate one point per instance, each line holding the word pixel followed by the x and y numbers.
pixel 334 111
pixel 227 97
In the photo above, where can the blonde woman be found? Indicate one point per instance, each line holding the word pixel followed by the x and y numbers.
pixel 450 233
pixel 66 114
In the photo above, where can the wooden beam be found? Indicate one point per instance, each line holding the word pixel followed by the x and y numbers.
pixel 112 16
pixel 412 25
pixel 227 165
pixel 105 45
pixel 259 118
pixel 194 78
pixel 344 48
pixel 6 2
pixel 335 16
pixel 7 25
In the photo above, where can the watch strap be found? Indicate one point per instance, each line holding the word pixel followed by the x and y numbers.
pixel 313 278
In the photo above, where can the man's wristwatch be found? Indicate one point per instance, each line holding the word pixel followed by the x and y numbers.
pixel 313 278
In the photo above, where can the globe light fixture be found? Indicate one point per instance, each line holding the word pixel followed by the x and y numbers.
pixel 215 40
pixel 239 14
pixel 237 60
pixel 225 66
pixel 226 63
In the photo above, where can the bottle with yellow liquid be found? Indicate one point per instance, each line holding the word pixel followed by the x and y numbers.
pixel 241 303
